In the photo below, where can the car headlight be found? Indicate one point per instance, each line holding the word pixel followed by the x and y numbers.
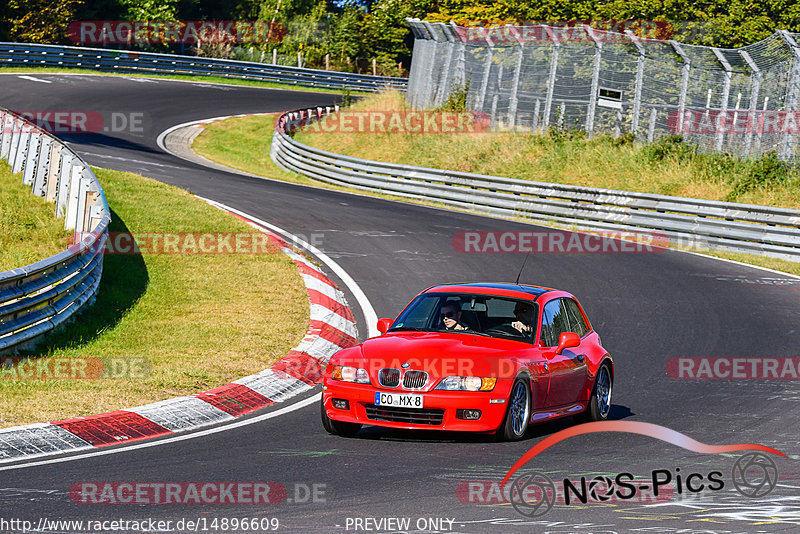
pixel 350 374
pixel 467 383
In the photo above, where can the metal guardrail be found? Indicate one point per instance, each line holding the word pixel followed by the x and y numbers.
pixel 107 60
pixel 37 298
pixel 690 222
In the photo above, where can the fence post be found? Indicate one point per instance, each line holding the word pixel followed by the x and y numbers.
pixel 461 60
pixel 598 53
pixel 429 91
pixel 651 129
pixel 32 158
pixel 444 83
pixel 513 102
pixel 793 94
pixel 726 91
pixel 687 65
pixel 487 67
pixel 551 79
pixel 755 87
pixel 637 91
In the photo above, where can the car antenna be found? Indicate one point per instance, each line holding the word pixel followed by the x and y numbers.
pixel 523 266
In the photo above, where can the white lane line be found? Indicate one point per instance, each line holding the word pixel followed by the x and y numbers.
pixel 129 160
pixel 31 78
pixel 366 307
pixel 147 444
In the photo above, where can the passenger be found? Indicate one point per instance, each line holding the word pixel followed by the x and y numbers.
pixel 450 315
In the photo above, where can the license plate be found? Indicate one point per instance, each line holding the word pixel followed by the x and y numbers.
pixel 401 400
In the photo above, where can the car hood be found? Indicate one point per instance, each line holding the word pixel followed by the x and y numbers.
pixel 441 354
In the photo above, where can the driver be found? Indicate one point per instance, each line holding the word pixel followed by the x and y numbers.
pixel 525 319
pixel 451 316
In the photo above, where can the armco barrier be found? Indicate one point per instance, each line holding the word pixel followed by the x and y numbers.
pixel 128 61
pixel 37 298
pixel 693 222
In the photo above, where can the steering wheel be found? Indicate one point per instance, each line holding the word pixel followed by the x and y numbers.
pixel 506 329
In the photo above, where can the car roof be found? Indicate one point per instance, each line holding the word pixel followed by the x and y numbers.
pixel 493 288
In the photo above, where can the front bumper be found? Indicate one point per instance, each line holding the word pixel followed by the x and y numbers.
pixel 361 398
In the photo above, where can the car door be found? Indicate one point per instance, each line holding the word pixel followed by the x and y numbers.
pixel 568 371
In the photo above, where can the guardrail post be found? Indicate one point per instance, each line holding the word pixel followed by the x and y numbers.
pixel 793 95
pixel 8 132
pixel 684 82
pixel 551 79
pixel 726 90
pixel 755 87
pixel 73 199
pixel 637 91
pixel 31 158
pixel 62 191
pixel 43 167
pixel 598 53
pixel 53 172
pixel 18 144
pixel 514 99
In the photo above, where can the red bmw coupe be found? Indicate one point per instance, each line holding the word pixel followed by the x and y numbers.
pixel 488 357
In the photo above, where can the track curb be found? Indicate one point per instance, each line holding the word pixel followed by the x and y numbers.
pixel 331 328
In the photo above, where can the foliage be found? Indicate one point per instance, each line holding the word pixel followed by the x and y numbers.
pixel 38 21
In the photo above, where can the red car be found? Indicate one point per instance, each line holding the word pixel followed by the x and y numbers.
pixel 477 357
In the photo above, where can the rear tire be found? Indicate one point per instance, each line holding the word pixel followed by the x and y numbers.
pixel 338 428
pixel 518 413
pixel 600 401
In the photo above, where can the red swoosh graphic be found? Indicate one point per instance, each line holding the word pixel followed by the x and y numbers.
pixel 635 427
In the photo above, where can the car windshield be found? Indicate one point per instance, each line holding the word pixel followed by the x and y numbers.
pixel 470 314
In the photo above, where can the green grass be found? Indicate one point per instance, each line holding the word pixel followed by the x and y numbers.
pixel 29 230
pixel 198 320
pixel 563 157
pixel 185 77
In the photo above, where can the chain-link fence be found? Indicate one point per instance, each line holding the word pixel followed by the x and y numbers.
pixel 742 101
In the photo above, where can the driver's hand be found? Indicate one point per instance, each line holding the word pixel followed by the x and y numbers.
pixel 522 327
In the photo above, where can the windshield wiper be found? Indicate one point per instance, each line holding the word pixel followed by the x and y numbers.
pixel 408 328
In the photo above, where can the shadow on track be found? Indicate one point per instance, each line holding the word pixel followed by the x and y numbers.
pixel 536 431
pixel 123 282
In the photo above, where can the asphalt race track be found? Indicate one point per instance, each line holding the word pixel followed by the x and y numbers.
pixel 648 308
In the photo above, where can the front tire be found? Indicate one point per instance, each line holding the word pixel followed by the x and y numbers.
pixel 518 413
pixel 600 401
pixel 338 428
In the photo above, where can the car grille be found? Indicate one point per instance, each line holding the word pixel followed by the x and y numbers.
pixel 414 379
pixel 389 377
pixel 404 415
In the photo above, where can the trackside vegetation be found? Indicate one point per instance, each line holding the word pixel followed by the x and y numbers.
pixel 164 325
pixel 669 167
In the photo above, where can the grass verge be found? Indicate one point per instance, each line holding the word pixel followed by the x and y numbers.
pixel 29 230
pixel 182 77
pixel 669 167
pixel 197 320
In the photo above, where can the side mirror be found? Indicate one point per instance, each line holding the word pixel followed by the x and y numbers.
pixel 567 340
pixel 384 324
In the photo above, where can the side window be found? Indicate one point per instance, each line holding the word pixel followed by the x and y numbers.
pixel 575 317
pixel 555 320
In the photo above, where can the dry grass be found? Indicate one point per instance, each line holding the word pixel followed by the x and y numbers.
pixel 199 320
